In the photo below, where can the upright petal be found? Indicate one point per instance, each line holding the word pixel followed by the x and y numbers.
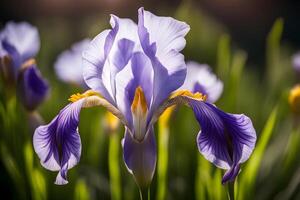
pixel 108 54
pixel 200 78
pixel 32 88
pixel 68 65
pixel 24 37
pixel 140 157
pixel 138 73
pixel 161 39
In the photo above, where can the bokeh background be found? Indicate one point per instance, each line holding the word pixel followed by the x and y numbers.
pixel 248 43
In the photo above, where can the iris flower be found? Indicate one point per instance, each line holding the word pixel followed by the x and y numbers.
pixel 19 43
pixel 200 78
pixel 68 65
pixel 133 70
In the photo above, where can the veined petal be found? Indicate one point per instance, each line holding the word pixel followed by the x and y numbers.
pixel 68 65
pixel 32 88
pixel 200 78
pixel 58 143
pixel 140 157
pixel 24 37
pixel 225 139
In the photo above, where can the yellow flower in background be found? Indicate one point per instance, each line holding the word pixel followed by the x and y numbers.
pixel 294 99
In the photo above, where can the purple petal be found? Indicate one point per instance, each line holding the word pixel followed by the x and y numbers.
pixel 24 37
pixel 200 78
pixel 108 54
pixel 68 65
pixel 58 143
pixel 161 35
pixel 14 55
pixel 225 139
pixel 140 157
pixel 32 89
pixel 137 73
pixel 161 39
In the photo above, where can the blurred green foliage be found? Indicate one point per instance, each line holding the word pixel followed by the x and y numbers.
pixel 269 174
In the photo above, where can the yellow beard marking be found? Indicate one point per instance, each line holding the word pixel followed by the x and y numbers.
pixel 75 97
pixel 187 93
pixel 139 101
pixel 294 99
pixel 139 111
pixel 28 63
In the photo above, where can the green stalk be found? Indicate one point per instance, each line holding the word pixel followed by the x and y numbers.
pixel 162 164
pixel 144 193
pixel 230 190
pixel 114 171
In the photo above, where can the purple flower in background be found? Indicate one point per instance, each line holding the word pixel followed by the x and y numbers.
pixel 133 71
pixel 19 43
pixel 200 78
pixel 68 65
pixel 296 62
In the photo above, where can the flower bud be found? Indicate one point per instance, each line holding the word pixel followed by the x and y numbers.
pixel 32 89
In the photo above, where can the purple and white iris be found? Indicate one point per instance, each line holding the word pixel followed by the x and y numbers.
pixel 19 43
pixel 134 70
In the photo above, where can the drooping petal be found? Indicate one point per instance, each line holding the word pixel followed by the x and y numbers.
pixel 200 78
pixel 32 88
pixel 58 143
pixel 161 39
pixel 68 65
pixel 23 37
pixel 226 140
pixel 14 55
pixel 140 157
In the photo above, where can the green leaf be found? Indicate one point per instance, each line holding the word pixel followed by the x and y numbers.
pixel 249 173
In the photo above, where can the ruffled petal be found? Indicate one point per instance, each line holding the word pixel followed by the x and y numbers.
pixel 140 157
pixel 161 39
pixel 58 143
pixel 200 78
pixel 24 37
pixel 68 65
pixel 32 88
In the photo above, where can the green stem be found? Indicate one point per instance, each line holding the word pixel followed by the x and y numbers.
pixel 144 194
pixel 231 190
pixel 162 164
pixel 114 171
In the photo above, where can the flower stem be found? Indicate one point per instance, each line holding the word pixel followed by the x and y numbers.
pixel 114 171
pixel 144 194
pixel 231 190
